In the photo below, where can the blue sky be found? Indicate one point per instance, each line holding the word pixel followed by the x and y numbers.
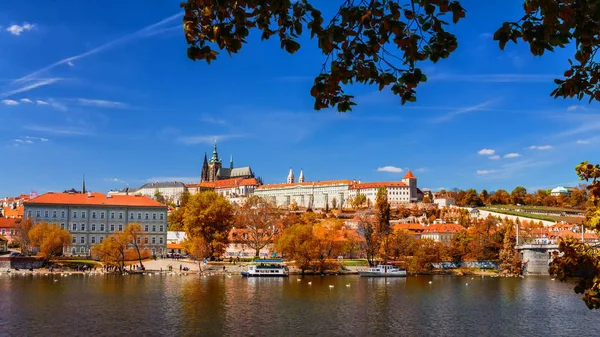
pixel 108 91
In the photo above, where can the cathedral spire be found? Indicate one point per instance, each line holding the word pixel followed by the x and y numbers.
pixel 301 177
pixel 290 177
pixel 83 184
pixel 231 162
pixel 215 155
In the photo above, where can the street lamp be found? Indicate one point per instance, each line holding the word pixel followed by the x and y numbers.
pixel 582 231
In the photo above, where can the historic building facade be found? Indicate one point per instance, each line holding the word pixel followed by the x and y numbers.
pixel 213 170
pixel 91 217
pixel 336 193
pixel 399 192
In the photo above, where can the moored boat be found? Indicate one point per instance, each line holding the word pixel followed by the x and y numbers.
pixel 266 268
pixel 383 270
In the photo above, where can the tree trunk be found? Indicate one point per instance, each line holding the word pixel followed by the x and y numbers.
pixel 257 252
pixel 139 256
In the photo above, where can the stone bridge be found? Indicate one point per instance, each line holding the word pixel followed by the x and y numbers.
pixel 536 257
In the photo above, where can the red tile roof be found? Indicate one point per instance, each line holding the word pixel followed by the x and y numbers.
pixel 13 213
pixel 412 227
pixel 444 228
pixel 313 183
pixel 8 222
pixel 96 199
pixel 409 175
pixel 174 246
pixel 235 182
pixel 379 184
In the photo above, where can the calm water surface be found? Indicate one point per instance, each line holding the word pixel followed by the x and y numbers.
pixel 234 306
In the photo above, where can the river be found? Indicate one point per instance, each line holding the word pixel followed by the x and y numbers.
pixel 222 305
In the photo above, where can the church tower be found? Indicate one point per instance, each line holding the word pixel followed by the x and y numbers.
pixel 411 181
pixel 231 162
pixel 290 177
pixel 204 176
pixel 301 177
pixel 83 185
pixel 214 165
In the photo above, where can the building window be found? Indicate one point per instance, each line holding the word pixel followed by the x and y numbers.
pixel 93 227
pixel 3 231
pixel 93 215
pixel 112 228
pixel 37 214
pixel 29 214
pixel 82 214
pixel 82 250
pixel 160 240
pixel 120 227
pixel 145 228
pixel 62 226
pixel 101 238
pixel 101 227
pixel 74 239
pixel 146 240
pixel 74 227
pixel 153 216
pixel 101 215
pixel 73 251
pixel 131 216
pixel 93 239
pixel 54 214
pixel 161 228
pixel 120 215
pixel 153 240
pixel 139 216
pixel 45 214
pixel 154 228
pixel 82 226
pixel 112 215
pixel 74 215
pixel 162 216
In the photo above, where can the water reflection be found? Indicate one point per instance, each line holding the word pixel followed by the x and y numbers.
pixel 332 306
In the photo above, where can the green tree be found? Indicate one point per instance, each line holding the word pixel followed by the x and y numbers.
pixel 159 197
pixel 382 222
pixel 517 196
pixel 210 216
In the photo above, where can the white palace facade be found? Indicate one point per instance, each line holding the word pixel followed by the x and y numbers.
pixel 326 194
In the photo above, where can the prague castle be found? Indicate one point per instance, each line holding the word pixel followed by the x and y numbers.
pixel 213 170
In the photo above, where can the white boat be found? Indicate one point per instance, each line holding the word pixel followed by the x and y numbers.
pixel 266 268
pixel 383 270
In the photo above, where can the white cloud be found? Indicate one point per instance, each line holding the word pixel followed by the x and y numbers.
pixel 9 102
pixel 495 157
pixel 392 169
pixel 485 171
pixel 144 32
pixel 422 169
pixel 577 107
pixel 64 131
pixel 18 141
pixel 582 142
pixel 115 180
pixel 25 100
pixel 486 152
pixel 71 64
pixel 35 84
pixel 193 140
pixel 540 147
pixel 461 111
pixel 512 155
pixel 40 102
pixel 44 139
pixel 100 103
pixel 17 30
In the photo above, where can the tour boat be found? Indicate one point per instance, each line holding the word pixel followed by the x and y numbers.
pixel 383 270
pixel 266 268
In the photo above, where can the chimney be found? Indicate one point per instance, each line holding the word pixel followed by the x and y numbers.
pixel 89 194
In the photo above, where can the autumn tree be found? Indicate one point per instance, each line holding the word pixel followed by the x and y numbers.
pixel 459 246
pixel 22 235
pixel 159 197
pixel 298 243
pixel 260 219
pixel 50 239
pixel 509 256
pixel 134 235
pixel 578 259
pixel 334 203
pixel 359 200
pixel 197 247
pixel 426 200
pixel 484 196
pixel 366 227
pixel 112 250
pixel 210 216
pixel 426 252
pixel 400 243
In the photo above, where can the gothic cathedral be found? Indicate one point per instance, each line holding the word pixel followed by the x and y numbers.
pixel 213 170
